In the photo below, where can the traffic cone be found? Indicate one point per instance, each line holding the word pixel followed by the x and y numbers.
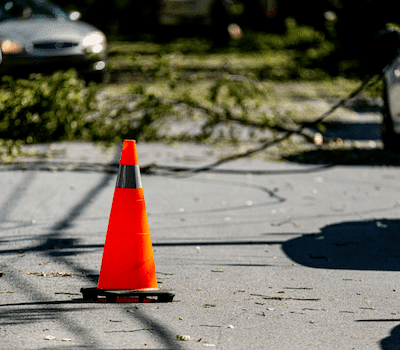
pixel 127 271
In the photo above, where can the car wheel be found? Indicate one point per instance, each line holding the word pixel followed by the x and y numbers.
pixel 99 77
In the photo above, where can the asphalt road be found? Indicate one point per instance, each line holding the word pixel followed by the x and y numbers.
pixel 260 255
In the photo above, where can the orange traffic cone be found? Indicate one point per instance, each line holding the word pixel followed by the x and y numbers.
pixel 127 271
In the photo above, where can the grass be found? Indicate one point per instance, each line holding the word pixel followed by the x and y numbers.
pixel 264 55
pixel 237 61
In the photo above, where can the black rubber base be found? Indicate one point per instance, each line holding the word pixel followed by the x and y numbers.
pixel 127 296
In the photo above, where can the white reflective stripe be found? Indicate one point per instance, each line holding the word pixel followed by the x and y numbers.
pixel 129 176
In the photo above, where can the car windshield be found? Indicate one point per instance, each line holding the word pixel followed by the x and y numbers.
pixel 24 9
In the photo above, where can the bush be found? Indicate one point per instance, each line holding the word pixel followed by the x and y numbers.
pixel 45 108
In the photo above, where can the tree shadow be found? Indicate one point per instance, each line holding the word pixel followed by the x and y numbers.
pixel 352 156
pixel 354 245
pixel 29 315
pixel 56 244
pixel 364 105
pixel 363 132
pixel 352 131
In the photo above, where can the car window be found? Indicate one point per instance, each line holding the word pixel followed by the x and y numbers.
pixel 24 9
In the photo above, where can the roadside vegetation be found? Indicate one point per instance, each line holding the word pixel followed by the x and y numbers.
pixel 187 91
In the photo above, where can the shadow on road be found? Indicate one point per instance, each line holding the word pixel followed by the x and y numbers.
pixel 353 131
pixel 393 341
pixel 353 156
pixel 56 244
pixel 354 245
pixel 28 315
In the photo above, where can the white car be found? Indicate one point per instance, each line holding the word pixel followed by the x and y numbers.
pixel 37 36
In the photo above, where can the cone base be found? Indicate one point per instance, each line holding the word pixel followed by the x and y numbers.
pixel 149 295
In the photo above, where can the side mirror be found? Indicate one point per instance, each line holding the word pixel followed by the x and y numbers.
pixel 74 15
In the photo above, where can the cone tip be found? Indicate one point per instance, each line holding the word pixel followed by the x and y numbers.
pixel 129 154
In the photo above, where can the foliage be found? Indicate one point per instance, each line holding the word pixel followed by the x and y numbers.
pixel 297 37
pixel 60 107
pixel 9 149
pixel 349 27
pixel 195 45
pixel 300 53
pixel 44 108
pixel 176 109
pixel 306 47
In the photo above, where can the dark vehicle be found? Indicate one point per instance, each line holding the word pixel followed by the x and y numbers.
pixel 391 108
pixel 37 36
pixel 389 56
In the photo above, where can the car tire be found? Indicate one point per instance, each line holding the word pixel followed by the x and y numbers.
pixel 99 77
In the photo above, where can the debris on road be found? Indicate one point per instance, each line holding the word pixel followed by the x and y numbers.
pixel 130 331
pixel 285 298
pixel 209 305
pixel 182 337
pixel 218 269
pixel 49 337
pixel 48 274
